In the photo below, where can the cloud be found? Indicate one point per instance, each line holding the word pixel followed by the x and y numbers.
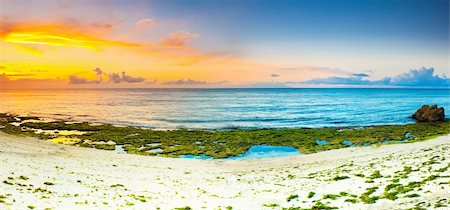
pixel 422 77
pixel 6 77
pixel 360 75
pixel 115 78
pixel 17 75
pixel 112 77
pixel 264 85
pixel 130 79
pixel 352 80
pixel 191 82
pixel 143 24
pixel 274 75
pixel 79 80
pixel 98 71
pixel 178 39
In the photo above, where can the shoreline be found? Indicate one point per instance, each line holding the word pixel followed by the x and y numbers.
pixel 215 144
pixel 85 178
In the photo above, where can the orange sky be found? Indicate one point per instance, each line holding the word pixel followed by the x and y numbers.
pixel 54 51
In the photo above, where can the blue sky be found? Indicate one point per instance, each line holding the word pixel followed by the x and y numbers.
pixel 383 36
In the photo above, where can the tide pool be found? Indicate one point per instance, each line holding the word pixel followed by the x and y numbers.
pixel 255 152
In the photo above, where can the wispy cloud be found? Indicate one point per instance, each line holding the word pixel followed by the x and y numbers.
pixel 143 24
pixel 315 69
pixel 61 33
pixel 178 39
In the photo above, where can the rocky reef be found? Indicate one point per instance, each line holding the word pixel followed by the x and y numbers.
pixel 429 114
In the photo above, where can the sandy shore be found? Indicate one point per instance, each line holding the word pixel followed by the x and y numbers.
pixel 39 174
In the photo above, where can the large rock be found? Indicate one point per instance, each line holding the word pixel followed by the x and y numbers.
pixel 429 114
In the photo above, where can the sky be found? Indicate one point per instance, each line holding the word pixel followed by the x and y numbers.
pixel 224 43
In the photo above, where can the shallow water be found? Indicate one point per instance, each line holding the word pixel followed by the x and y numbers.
pixel 266 151
pixel 226 108
pixel 255 152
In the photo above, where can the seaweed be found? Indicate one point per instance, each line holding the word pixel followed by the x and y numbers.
pixel 224 143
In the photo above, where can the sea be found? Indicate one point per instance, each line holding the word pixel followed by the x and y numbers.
pixel 226 108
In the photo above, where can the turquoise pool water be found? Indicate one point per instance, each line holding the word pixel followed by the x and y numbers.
pixel 255 152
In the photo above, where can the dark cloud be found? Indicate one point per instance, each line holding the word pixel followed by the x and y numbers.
pixel 423 77
pixel 130 79
pixel 79 80
pixel 192 82
pixel 360 75
pixel 113 77
pixel 353 80
pixel 98 71
pixel 274 75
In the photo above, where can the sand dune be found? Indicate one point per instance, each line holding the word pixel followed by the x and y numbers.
pixel 39 174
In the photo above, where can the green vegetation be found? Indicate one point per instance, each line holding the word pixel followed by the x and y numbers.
pixel 184 208
pixel 117 185
pixel 271 205
pixel 337 178
pixel 49 183
pixel 366 198
pixel 7 182
pixel 291 197
pixel 218 143
pixel 331 196
pixel 414 195
pixel 375 175
pixel 351 200
pixel 140 198
pixel 311 194
pixel 319 205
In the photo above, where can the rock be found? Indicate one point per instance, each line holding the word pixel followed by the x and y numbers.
pixel 429 114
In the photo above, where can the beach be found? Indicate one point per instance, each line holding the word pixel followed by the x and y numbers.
pixel 44 175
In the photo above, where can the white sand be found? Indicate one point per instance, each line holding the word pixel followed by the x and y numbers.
pixel 83 177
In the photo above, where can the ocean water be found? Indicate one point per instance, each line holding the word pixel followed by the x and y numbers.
pixel 225 108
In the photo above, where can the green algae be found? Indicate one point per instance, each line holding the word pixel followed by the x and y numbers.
pixel 219 143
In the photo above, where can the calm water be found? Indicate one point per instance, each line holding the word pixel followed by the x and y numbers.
pixel 226 108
